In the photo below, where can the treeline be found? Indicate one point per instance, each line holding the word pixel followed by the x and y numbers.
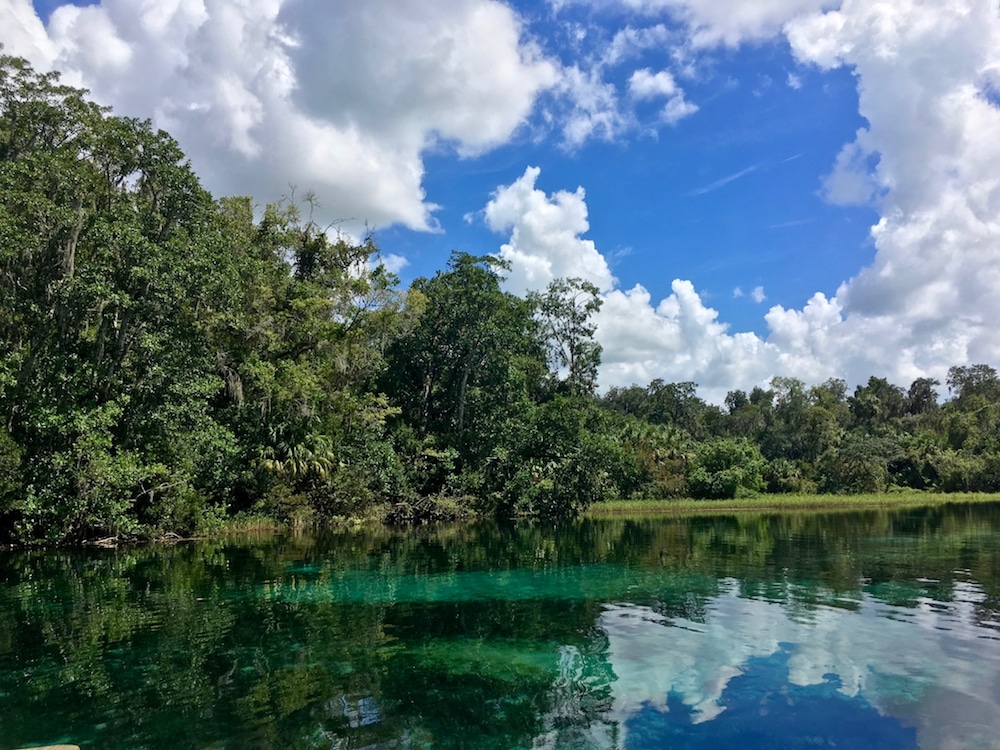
pixel 794 438
pixel 168 359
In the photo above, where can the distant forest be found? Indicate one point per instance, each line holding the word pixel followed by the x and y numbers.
pixel 170 360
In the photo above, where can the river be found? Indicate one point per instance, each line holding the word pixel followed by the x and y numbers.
pixel 872 629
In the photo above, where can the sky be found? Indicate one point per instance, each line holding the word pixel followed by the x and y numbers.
pixel 803 188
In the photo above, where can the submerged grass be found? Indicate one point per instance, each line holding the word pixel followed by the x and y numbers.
pixel 902 499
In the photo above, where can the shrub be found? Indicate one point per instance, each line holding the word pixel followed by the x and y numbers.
pixel 725 468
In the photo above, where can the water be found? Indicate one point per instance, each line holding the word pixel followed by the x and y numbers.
pixel 847 630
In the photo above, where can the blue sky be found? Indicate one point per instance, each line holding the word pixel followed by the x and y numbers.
pixel 729 197
pixel 805 188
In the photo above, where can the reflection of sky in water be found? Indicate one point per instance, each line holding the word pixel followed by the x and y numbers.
pixel 931 668
pixel 694 661
pixel 763 711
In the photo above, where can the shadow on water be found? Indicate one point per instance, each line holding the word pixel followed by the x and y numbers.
pixel 777 630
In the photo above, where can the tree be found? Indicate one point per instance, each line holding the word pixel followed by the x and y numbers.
pixel 965 383
pixel 108 249
pixel 745 418
pixel 569 457
pixel 565 311
pixel 471 364
pixel 859 464
pixel 725 468
pixel 162 353
pixel 876 404
pixel 662 403
pixel 299 342
pixel 660 454
pixel 922 396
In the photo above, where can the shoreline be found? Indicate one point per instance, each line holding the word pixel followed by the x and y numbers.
pixel 784 503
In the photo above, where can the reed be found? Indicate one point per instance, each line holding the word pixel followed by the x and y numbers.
pixel 761 503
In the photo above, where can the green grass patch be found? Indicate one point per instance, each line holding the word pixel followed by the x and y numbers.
pixel 762 503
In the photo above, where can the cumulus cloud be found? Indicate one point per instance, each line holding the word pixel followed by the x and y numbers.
pixel 545 230
pixel 23 31
pixel 928 160
pixel 339 98
pixel 677 338
pixel 644 84
pixel 595 111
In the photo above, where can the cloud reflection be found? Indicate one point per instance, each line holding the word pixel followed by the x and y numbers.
pixel 923 665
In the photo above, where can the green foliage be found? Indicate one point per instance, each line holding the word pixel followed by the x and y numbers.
pixel 10 471
pixel 659 454
pixel 725 468
pixel 567 458
pixel 675 404
pixel 565 312
pixel 783 476
pixel 975 380
pixel 164 355
pixel 859 464
pixel 167 359
pixel 470 367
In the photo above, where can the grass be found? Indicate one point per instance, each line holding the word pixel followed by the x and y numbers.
pixel 760 503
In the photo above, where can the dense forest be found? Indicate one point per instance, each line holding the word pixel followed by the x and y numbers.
pixel 169 359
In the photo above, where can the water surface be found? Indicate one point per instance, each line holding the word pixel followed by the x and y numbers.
pixel 848 630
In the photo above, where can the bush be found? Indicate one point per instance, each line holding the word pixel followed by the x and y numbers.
pixel 724 469
pixel 783 476
pixel 367 474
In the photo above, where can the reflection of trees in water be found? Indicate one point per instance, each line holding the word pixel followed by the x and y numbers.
pixel 271 643
pixel 582 698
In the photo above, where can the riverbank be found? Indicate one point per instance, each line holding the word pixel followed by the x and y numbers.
pixel 764 503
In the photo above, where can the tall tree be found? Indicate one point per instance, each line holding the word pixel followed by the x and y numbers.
pixel 566 311
pixel 107 252
pixel 471 362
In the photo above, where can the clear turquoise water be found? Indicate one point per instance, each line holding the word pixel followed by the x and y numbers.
pixel 848 630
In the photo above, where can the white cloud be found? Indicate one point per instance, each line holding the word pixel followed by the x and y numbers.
pixel 729 22
pixel 338 98
pixel 644 84
pixel 394 263
pixel 629 42
pixel 677 109
pixel 931 158
pixel 545 231
pixel 594 107
pixel 928 160
pixel 587 106
pixel 794 81
pixel 23 32
pixel 677 339
pixel 757 295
